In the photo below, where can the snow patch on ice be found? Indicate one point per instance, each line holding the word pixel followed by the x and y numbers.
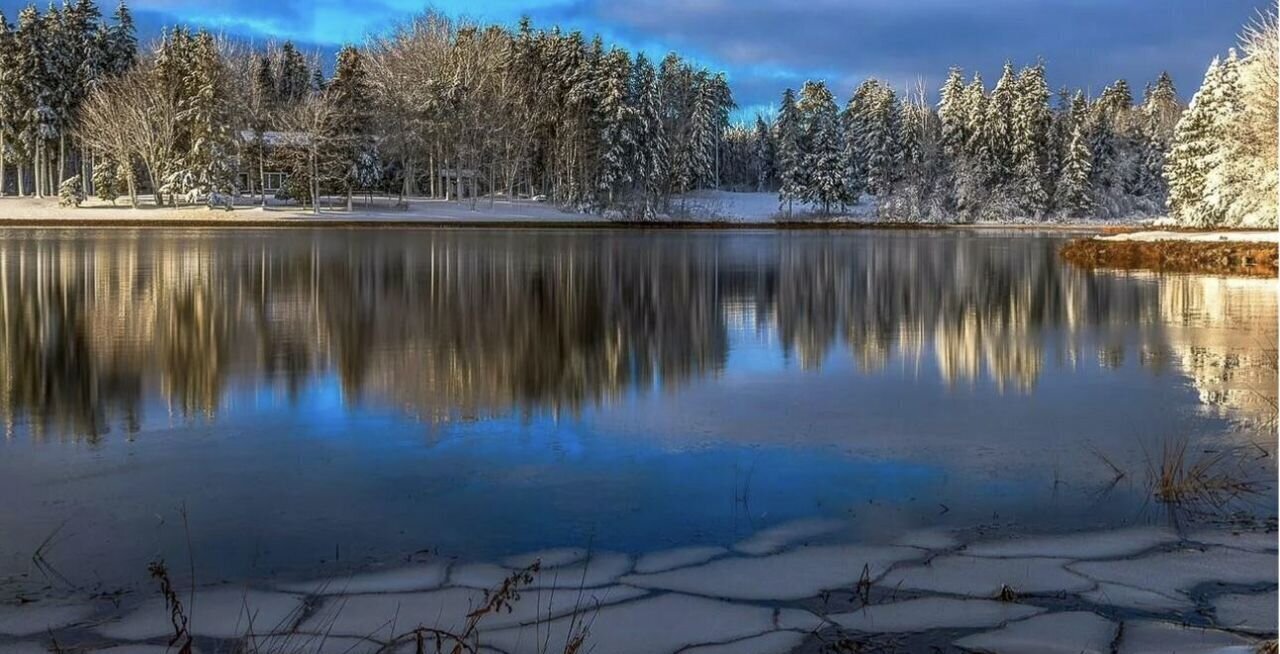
pixel 677 558
pixel 1152 637
pixel 774 642
pixel 929 539
pixel 1077 632
pixel 1137 598
pixel 796 574
pixel 981 577
pixel 216 613
pixel 656 625
pixel 775 538
pixel 421 577
pixel 40 617
pixel 1255 613
pixel 1090 545
pixel 933 613
pixel 1170 572
pixel 313 644
pixel 601 569
pixel 1250 541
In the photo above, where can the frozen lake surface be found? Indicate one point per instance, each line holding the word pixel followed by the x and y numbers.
pixel 711 441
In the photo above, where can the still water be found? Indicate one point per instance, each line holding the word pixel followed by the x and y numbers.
pixel 296 402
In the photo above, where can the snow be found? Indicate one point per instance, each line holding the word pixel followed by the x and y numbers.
pixel 1094 545
pixel 216 613
pixel 656 625
pixel 929 613
pixel 677 558
pixel 929 539
pixel 1077 632
pixel 384 616
pixel 313 644
pixel 777 642
pixel 983 577
pixel 1254 613
pixel 1249 541
pixel 773 539
pixel 423 577
pixel 797 574
pixel 600 569
pixel 1271 236
pixel 1136 598
pixel 40 617
pixel 1151 637
pixel 1169 573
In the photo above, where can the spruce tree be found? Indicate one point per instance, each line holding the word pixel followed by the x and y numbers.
pixel 764 155
pixel 791 172
pixel 1074 198
pixel 821 159
pixel 651 152
pixel 1030 147
pixel 616 124
pixel 1190 160
pixel 122 44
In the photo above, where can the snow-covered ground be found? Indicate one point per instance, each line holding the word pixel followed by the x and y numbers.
pixel 1143 587
pixel 381 209
pixel 1272 236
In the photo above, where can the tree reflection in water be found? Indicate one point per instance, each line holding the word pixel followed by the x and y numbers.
pixel 448 323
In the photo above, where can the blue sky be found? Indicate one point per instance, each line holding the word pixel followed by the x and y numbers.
pixel 766 45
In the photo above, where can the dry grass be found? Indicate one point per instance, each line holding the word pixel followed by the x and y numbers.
pixel 1223 258
pixel 1209 478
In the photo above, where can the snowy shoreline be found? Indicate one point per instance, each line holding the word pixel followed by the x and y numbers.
pixel 712 209
pixel 1144 586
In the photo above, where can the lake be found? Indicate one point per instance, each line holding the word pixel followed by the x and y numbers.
pixel 294 404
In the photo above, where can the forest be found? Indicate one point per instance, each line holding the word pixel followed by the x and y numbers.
pixel 451 109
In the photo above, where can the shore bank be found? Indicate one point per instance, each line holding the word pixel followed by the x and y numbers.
pixel 1237 253
pixel 702 210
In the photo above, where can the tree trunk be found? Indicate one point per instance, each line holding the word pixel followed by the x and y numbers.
pixel 315 185
pixel 3 178
pixel 262 176
pixel 62 158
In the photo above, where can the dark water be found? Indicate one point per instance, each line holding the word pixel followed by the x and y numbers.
pixel 314 400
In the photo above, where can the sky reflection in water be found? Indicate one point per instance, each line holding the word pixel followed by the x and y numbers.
pixel 361 395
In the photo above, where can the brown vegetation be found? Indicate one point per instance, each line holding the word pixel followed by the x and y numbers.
pixel 1224 258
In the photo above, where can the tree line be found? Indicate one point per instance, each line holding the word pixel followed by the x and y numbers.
pixel 440 107
pixel 459 110
pixel 1012 152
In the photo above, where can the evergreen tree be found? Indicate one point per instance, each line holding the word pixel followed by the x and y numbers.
pixel 122 43
pixel 617 122
pixel 764 155
pixel 1190 160
pixel 356 154
pixel 791 172
pixel 294 82
pixel 822 160
pixel 651 152
pixel 1030 142
pixel 1073 193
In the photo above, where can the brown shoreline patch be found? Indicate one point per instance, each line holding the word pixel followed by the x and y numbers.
pixel 1237 258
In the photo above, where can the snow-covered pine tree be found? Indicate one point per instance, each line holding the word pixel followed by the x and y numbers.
pixel 881 141
pixel 971 187
pixel 855 122
pixel 31 96
pixel 650 158
pixel 8 109
pixel 1223 180
pixel 1030 141
pixel 1073 194
pixel 1160 110
pixel 789 140
pixel 954 119
pixel 997 157
pixel 824 183
pixel 122 44
pixel 616 120
pixel 1190 160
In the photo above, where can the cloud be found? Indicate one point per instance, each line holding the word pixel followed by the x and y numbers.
pixel 767 45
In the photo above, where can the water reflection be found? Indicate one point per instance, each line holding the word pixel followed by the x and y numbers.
pixel 447 324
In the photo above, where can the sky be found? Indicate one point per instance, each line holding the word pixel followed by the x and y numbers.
pixel 767 45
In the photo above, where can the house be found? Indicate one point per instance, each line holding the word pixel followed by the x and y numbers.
pixel 272 181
